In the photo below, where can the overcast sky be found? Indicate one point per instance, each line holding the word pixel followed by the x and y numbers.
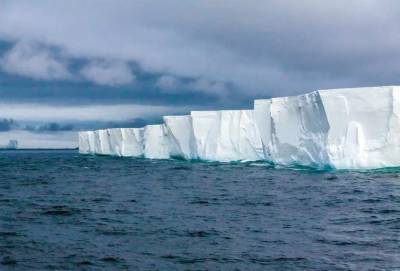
pixel 78 64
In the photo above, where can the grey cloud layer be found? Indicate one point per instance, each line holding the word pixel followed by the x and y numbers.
pixel 108 73
pixel 111 113
pixel 30 60
pixel 33 60
pixel 257 47
pixel 7 125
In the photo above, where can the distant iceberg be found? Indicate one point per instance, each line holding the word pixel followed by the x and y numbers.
pixel 12 145
pixel 353 128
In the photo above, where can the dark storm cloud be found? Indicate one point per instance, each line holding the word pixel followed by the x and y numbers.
pixel 7 124
pixel 56 127
pixel 130 123
pixel 144 91
pixel 51 127
pixel 242 49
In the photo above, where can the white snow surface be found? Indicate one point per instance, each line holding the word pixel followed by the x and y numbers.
pixel 354 128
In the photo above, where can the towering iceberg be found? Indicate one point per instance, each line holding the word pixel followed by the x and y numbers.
pixel 341 128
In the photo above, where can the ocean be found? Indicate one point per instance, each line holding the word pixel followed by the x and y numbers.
pixel 63 211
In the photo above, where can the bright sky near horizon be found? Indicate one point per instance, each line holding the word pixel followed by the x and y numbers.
pixel 80 64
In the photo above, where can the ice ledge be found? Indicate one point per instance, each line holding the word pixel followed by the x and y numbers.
pixel 352 128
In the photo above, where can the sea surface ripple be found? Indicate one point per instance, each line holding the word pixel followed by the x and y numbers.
pixel 63 211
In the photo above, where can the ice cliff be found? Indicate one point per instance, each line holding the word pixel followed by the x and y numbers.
pixel 354 128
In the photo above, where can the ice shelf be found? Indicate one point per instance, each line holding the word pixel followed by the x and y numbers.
pixel 353 128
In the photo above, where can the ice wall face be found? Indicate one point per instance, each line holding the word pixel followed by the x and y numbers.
pixel 181 135
pixel 239 137
pixel 84 144
pixel 227 135
pixel 92 139
pixel 293 130
pixel 342 128
pixel 157 142
pixel 101 142
pixel 206 129
pixel 132 142
pixel 115 141
pixel 364 127
pixel 262 117
pixel 299 131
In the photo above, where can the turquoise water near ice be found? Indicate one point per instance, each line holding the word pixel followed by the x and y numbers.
pixel 65 211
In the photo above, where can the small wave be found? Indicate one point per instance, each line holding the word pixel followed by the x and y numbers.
pixel 60 210
pixel 8 260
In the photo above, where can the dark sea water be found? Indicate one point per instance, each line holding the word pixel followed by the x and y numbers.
pixel 63 211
